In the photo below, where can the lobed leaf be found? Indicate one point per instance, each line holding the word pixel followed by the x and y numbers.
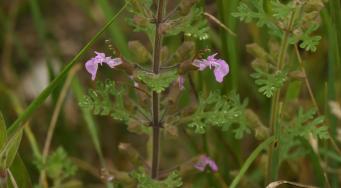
pixel 269 83
pixel 157 82
pixel 106 100
pixel 222 112
pixel 145 181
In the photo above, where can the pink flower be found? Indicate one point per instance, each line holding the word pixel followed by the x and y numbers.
pixel 181 82
pixel 100 58
pixel 205 161
pixel 220 67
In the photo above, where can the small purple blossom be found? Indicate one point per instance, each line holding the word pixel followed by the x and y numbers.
pixel 204 161
pixel 100 58
pixel 221 68
pixel 181 82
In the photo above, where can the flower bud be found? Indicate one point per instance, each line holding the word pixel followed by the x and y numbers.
pixel 141 53
pixel 297 75
pixel 261 132
pixel 257 51
pixel 313 5
pixel 130 151
pixel 185 6
pixel 184 52
pixel 171 129
pixel 259 64
pixel 253 118
pixel 140 21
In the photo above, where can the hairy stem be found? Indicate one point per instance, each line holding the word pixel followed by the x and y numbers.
pixel 155 96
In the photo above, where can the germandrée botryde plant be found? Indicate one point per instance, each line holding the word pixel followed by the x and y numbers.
pixel 156 81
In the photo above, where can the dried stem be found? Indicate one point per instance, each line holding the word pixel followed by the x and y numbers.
pixel 53 123
pixel 155 96
pixel 307 83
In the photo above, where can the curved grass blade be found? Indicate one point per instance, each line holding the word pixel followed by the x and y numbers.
pixel 249 160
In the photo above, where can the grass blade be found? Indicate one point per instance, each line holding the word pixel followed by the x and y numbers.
pixel 249 160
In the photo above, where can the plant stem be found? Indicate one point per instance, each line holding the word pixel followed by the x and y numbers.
pixel 155 96
pixel 273 159
pixel 306 80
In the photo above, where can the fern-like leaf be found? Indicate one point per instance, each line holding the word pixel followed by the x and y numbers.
pixel 157 82
pixel 300 128
pixel 269 83
pixel 106 100
pixel 222 112
pixel 145 181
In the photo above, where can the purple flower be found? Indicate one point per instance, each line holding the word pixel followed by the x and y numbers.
pixel 204 161
pixel 221 68
pixel 100 58
pixel 181 82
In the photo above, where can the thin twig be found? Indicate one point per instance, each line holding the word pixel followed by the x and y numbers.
pixel 54 119
pixel 278 183
pixel 13 181
pixel 217 21
pixel 306 80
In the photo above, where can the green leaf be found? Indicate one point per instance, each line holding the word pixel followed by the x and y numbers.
pixel 58 165
pixel 259 15
pixel 106 100
pixel 223 112
pixel 310 43
pixel 157 82
pixel 282 11
pixel 3 133
pixel 9 151
pixel 269 83
pixel 299 128
pixel 20 174
pixel 145 181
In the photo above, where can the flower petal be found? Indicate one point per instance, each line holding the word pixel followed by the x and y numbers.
pixel 91 66
pixel 212 57
pixel 206 161
pixel 100 58
pixel 221 71
pixel 201 64
pixel 113 62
